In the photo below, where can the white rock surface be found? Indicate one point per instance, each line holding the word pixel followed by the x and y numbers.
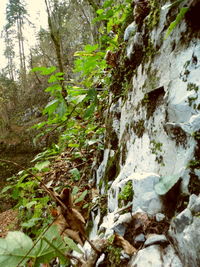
pixel 155 256
pixel 165 144
pixel 130 30
pixel 144 196
pixel 184 231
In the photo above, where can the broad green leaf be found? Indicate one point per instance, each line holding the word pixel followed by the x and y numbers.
pixel 30 223
pixel 53 88
pixel 51 106
pixel 30 204
pixel 75 190
pixel 17 245
pixel 44 70
pixel 91 48
pixel 62 108
pixel 13 248
pixel 44 252
pixel 107 3
pixel 165 184
pixel 72 245
pixel 75 174
pixel 82 196
pixel 89 111
pixel 100 11
pixel 79 98
pixel 56 77
pixel 41 165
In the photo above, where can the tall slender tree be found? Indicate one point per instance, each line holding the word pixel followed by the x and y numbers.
pixel 54 22
pixel 9 52
pixel 16 15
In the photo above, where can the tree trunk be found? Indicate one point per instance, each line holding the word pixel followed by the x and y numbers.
pixel 57 43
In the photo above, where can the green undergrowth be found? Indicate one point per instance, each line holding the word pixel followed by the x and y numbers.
pixel 78 123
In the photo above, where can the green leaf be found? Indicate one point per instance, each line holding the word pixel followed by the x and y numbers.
pixel 75 174
pixel 30 223
pixel 44 252
pixel 44 70
pixel 72 245
pixel 100 11
pixel 165 184
pixel 30 204
pixel 82 196
pixel 51 106
pixel 73 145
pixel 91 48
pixel 41 165
pixel 179 17
pixel 6 188
pixel 78 99
pixel 75 190
pixel 62 108
pixel 53 88
pixel 13 248
pixel 107 3
pixel 56 77
pixel 89 111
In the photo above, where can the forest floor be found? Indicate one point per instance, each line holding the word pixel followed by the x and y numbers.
pixel 8 222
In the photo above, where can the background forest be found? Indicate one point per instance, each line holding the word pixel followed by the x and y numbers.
pixel 53 100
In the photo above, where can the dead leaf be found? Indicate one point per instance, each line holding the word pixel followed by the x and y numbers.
pixel 66 197
pixel 60 221
pixel 73 235
pixel 78 215
pixel 127 247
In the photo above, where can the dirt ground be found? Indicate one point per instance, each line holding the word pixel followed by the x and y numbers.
pixel 8 222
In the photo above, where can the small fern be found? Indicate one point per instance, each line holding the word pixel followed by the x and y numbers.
pixel 178 19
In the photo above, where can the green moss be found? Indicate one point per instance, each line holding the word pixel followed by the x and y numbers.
pixel 127 193
pixel 191 101
pixel 154 15
pixel 194 164
pixel 156 149
pixel 113 255
pixel 192 86
pixel 145 100
pixel 149 50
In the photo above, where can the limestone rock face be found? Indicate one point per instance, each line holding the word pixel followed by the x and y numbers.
pixel 184 231
pixel 155 256
pixel 153 131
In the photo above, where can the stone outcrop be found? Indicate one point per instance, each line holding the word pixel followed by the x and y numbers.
pixel 153 131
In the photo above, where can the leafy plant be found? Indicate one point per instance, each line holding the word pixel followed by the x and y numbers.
pixel 76 121
pixel 127 192
pixel 31 202
pixel 17 248
pixel 178 19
